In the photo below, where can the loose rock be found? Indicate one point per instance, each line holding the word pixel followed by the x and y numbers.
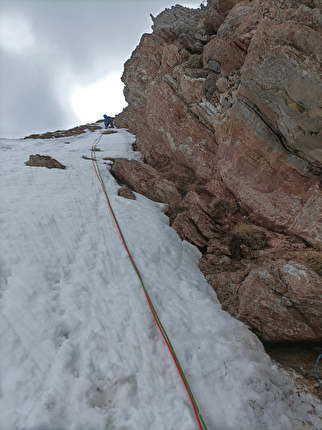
pixel 44 161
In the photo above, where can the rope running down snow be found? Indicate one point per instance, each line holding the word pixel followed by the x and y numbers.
pixel 200 420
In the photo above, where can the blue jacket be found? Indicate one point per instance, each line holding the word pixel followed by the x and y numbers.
pixel 108 119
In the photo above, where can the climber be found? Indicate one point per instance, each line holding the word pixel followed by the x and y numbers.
pixel 108 121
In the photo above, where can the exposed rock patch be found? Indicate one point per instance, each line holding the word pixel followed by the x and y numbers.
pixel 125 192
pixel 65 133
pixel 44 161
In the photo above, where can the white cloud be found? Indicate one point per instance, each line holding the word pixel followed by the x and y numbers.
pixel 16 34
pixel 61 59
pixel 103 97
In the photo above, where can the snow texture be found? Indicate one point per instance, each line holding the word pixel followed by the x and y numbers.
pixel 79 347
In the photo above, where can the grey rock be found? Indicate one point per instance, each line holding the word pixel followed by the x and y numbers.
pixel 214 66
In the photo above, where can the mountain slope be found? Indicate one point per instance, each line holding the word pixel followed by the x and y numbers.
pixel 79 347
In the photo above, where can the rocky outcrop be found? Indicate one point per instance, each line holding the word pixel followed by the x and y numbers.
pixel 44 161
pixel 278 299
pixel 145 180
pixel 66 133
pixel 286 301
pixel 225 102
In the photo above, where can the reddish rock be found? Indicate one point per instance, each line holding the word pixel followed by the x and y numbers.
pixel 170 58
pixel 187 230
pixel 142 67
pixel 145 180
pixel 175 133
pixel 213 21
pixel 198 215
pixel 278 299
pixel 125 192
pixel 44 161
pixel 66 133
pixel 224 6
pixel 281 301
pixel 190 88
pixel 243 41
pixel 289 102
pixel 277 188
pixel 248 133
pixel 222 85
pixel 225 52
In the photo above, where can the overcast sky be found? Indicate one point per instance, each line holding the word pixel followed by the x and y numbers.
pixel 61 60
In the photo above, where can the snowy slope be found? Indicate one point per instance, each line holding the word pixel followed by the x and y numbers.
pixel 79 347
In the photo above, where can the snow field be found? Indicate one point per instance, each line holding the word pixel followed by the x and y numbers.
pixel 79 347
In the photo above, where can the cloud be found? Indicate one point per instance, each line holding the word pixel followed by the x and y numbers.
pixel 31 99
pixel 16 34
pixel 90 103
pixel 50 47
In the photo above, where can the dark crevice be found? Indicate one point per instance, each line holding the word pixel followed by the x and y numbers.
pixel 299 357
pixel 264 118
pixel 279 136
pixel 172 213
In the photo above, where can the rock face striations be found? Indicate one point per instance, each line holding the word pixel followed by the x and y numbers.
pixel 226 105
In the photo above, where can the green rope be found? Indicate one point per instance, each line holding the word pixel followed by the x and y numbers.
pixel 201 422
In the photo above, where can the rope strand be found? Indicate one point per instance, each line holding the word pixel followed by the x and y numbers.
pixel 199 418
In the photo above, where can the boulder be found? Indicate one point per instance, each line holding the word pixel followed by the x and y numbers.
pixel 145 180
pixel 213 66
pixel 279 301
pixel 44 161
pixel 125 192
pixel 213 21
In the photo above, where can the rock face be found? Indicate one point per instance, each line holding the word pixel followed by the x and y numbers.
pixel 225 102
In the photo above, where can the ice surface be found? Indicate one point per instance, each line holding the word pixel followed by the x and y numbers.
pixel 79 347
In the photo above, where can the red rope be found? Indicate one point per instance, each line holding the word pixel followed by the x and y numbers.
pixel 145 292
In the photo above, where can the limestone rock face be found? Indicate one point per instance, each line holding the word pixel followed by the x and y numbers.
pixel 225 102
pixel 277 187
pixel 284 85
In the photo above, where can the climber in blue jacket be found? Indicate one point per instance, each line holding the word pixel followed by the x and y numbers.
pixel 108 121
